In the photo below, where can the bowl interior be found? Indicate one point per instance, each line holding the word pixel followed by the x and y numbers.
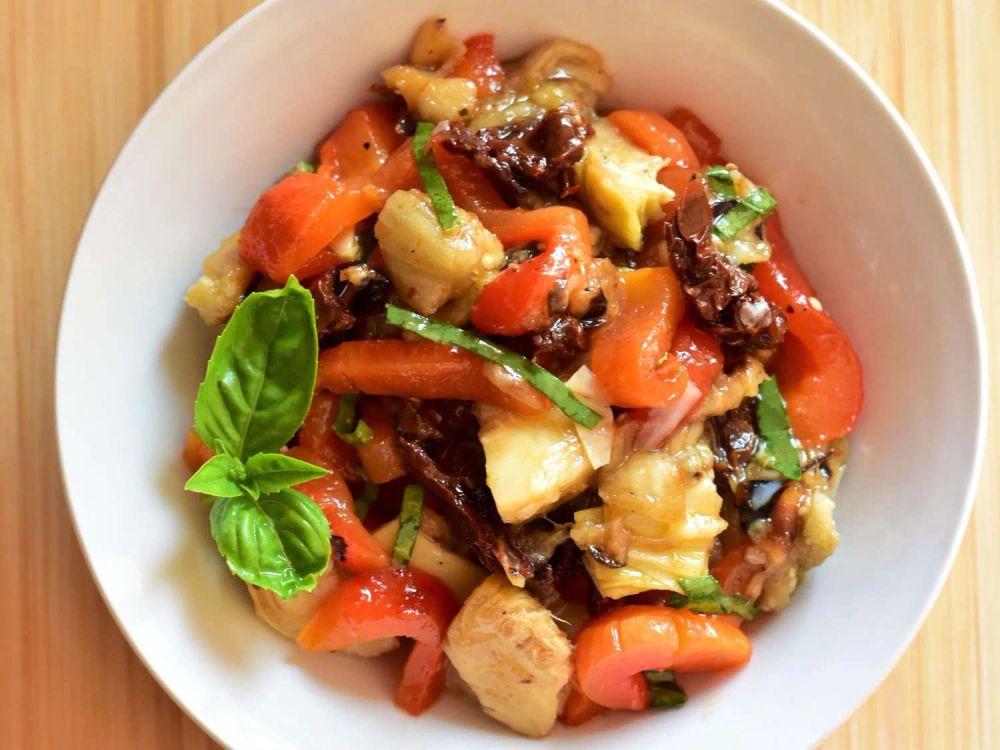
pixel 868 222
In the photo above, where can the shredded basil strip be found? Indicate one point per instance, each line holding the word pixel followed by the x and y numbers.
pixel 364 501
pixel 704 595
pixel 755 206
pixel 664 692
pixel 779 451
pixel 348 427
pixel 536 376
pixel 430 175
pixel 303 166
pixel 409 524
pixel 721 182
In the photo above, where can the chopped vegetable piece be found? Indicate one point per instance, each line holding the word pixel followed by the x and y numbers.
pixel 755 206
pixel 664 692
pixel 365 500
pixel 434 183
pixel 303 166
pixel 380 457
pixel 626 351
pixel 419 369
pixel 346 419
pixel 613 651
pixel 705 596
pixel 519 299
pixel 721 182
pixel 480 65
pixel 538 377
pixel 409 524
pixel 361 143
pixel 348 427
pixel 361 435
pixel 772 422
pixel 395 602
pixel 817 368
pixel 361 554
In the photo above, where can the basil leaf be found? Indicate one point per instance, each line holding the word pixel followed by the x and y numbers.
pixel 664 692
pixel 721 183
pixel 260 378
pixel 779 452
pixel 700 587
pixel 280 542
pixel 410 513
pixel 434 183
pixel 302 166
pixel 755 206
pixel 276 471
pixel 364 501
pixel 538 377
pixel 361 434
pixel 251 488
pixel 704 595
pixel 220 476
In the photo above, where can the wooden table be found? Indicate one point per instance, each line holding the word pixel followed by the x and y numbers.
pixel 76 76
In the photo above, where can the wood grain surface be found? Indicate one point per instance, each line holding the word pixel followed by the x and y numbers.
pixel 76 76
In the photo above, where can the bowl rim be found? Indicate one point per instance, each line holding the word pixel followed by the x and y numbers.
pixel 850 66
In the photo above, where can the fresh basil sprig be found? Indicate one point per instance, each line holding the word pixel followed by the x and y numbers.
pixel 777 451
pixel 257 390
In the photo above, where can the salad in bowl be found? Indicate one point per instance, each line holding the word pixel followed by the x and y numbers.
pixel 530 382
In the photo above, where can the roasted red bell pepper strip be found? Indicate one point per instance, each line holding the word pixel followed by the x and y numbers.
pixel 578 708
pixel 517 301
pixel 657 135
pixel 361 143
pixel 362 554
pixel 395 602
pixel 735 572
pixel 703 141
pixel 416 369
pixel 480 65
pixel 614 650
pixel 398 173
pixel 380 456
pixel 292 222
pixel 626 351
pixel 469 187
pixel 317 436
pixel 195 451
pixel 818 371
pixel 699 352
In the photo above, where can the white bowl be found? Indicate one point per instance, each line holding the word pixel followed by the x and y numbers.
pixel 860 202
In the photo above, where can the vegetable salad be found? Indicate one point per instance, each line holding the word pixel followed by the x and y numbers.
pixel 535 385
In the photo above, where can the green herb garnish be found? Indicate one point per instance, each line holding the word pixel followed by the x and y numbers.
pixel 664 692
pixel 303 166
pixel 364 501
pixel 703 594
pixel 430 175
pixel 538 377
pixel 410 514
pixel 257 389
pixel 348 427
pixel 778 451
pixel 755 206
pixel 721 183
